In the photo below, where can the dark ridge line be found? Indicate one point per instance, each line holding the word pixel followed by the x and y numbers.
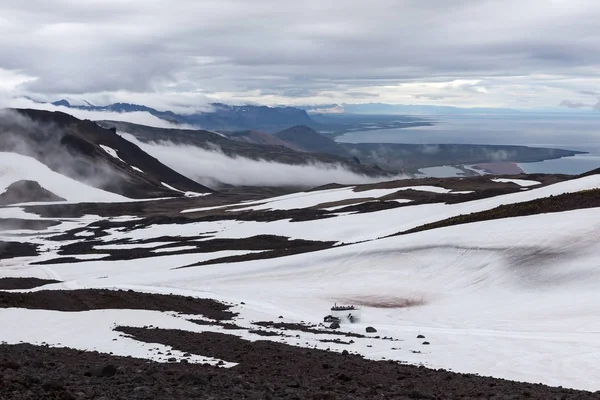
pixel 104 299
pixel 310 247
pixel 553 204
pixel 23 283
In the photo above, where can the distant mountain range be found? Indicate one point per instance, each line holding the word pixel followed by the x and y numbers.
pixel 222 117
pixel 402 109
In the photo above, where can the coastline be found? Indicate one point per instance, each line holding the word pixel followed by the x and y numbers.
pixel 499 168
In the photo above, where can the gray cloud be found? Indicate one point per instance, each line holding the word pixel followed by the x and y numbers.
pixel 573 104
pixel 210 166
pixel 234 48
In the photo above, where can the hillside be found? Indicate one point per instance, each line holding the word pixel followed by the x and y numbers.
pixel 260 138
pixel 411 157
pixel 310 140
pixel 212 141
pixel 217 285
pixel 86 153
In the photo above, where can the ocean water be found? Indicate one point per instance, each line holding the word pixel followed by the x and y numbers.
pixel 566 131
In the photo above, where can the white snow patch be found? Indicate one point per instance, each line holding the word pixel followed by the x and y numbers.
pixel 112 152
pixel 311 199
pixel 15 167
pixel 128 246
pixel 520 182
pixel 191 210
pixel 187 194
pixel 400 201
pixel 89 256
pixel 137 169
pixel 93 331
pixel 173 249
pixel 425 188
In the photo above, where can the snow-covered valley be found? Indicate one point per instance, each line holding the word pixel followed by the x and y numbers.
pixel 513 298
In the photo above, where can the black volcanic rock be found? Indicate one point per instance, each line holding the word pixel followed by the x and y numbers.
pixel 74 148
pixel 26 191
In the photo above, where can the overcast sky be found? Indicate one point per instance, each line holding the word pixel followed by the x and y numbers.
pixel 514 53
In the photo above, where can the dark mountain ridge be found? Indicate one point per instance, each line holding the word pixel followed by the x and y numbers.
pixel 73 148
pixel 310 140
pixel 212 142
pixel 410 157
pixel 222 117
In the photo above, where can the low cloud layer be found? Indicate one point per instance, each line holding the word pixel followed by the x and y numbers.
pixel 208 167
pixel 142 118
pixel 519 53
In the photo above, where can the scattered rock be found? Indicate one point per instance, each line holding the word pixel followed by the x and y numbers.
pixel 334 325
pixel 370 329
pixel 108 371
pixel 426 343
pixel 53 386
pixel 420 337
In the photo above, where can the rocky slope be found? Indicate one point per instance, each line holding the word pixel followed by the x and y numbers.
pixel 212 141
pixel 84 151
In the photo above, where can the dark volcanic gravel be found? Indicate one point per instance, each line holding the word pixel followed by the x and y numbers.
pixel 97 299
pixel 305 328
pixel 23 283
pixel 277 371
pixel 9 224
pixel 17 249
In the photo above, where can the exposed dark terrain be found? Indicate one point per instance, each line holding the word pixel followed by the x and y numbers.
pixel 24 283
pixel 310 140
pixel 72 147
pixel 232 148
pixel 264 370
pixel 261 138
pixel 411 157
pixel 96 299
pixel 17 249
pixel 26 191
pixel 564 202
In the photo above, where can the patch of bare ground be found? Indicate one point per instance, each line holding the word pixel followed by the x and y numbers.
pixel 474 183
pixel 564 202
pixel 296 246
pixel 269 245
pixel 99 299
pixel 13 224
pixel 384 302
pixel 224 325
pixel 17 249
pixel 306 328
pixel 271 370
pixel 23 283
